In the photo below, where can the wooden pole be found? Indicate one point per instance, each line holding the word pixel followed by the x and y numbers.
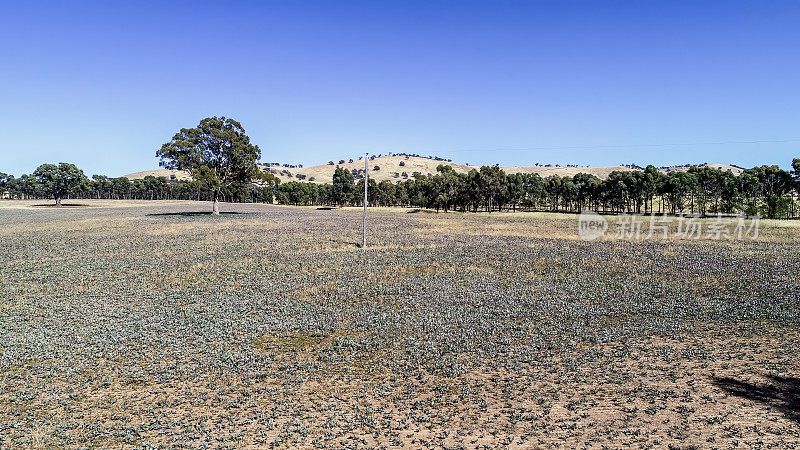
pixel 366 181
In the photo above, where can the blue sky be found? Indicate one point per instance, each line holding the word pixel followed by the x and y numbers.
pixel 104 84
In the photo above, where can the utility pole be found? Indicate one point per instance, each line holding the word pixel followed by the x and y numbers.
pixel 366 182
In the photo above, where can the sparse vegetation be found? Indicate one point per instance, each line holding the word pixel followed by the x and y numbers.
pixel 133 325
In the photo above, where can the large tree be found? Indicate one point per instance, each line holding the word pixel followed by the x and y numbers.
pixel 217 153
pixel 59 180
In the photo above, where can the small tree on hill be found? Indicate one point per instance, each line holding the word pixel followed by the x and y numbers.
pixel 217 153
pixel 59 180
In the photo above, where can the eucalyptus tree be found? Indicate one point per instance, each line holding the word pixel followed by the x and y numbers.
pixel 534 190
pixel 296 193
pixel 776 183
pixel 102 185
pixel 774 180
pixel 615 192
pixel 121 187
pixel 552 187
pixel 445 186
pixel 625 190
pixel 750 188
pixel 29 187
pixel 587 188
pixel 421 190
pixel 473 189
pixel 372 194
pixel 516 189
pixel 401 194
pixel 569 193
pixel 325 194
pixel 690 183
pixel 493 185
pixel 6 182
pixel 343 186
pixel 634 189
pixel 651 180
pixel 707 187
pixel 217 153
pixel 385 193
pixel 60 180
pixel 730 194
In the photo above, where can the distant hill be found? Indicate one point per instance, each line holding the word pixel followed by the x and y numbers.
pixel 166 173
pixel 733 169
pixel 400 167
pixel 394 167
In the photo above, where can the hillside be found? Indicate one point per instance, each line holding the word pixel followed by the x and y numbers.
pixel 400 167
pixel 167 173
pixel 735 170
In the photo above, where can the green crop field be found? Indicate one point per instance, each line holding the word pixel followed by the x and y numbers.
pixel 130 324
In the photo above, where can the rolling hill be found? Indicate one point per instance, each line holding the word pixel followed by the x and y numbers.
pixel 402 167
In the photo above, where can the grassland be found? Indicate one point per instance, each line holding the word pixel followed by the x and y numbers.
pixel 124 324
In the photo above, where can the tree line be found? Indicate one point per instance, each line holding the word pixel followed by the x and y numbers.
pixel 34 186
pixel 222 162
pixel 768 191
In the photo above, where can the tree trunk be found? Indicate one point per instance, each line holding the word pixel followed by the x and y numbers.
pixel 58 201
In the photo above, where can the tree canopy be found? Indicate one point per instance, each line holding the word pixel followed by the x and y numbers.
pixel 59 180
pixel 343 186
pixel 217 153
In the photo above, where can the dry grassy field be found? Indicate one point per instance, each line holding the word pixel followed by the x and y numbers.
pixel 133 324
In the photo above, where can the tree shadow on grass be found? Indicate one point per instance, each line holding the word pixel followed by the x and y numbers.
pixel 196 213
pixel 423 211
pixel 781 393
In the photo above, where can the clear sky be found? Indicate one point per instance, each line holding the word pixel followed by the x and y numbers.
pixel 104 84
